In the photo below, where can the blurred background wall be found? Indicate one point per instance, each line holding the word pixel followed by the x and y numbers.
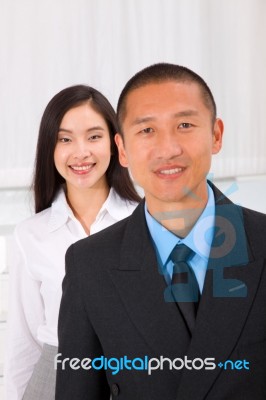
pixel 48 45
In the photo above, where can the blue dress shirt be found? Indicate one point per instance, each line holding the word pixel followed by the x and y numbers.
pixel 199 240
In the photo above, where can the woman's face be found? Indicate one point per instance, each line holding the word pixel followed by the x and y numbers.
pixel 83 150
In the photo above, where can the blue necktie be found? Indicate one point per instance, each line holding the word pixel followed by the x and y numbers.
pixel 184 285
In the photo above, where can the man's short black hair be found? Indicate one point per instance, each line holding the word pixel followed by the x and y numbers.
pixel 163 72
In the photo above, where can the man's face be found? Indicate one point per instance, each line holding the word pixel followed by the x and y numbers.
pixel 169 138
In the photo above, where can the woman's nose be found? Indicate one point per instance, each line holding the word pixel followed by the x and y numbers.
pixel 82 149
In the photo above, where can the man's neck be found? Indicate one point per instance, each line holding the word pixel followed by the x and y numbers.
pixel 178 218
pixel 179 222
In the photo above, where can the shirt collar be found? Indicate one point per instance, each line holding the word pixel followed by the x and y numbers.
pixel 199 238
pixel 114 205
pixel 60 211
pixel 117 207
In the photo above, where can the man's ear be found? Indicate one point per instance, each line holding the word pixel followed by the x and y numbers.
pixel 218 130
pixel 121 150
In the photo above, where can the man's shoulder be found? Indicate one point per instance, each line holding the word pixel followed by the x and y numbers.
pixel 108 240
pixel 250 216
pixel 106 237
pixel 255 220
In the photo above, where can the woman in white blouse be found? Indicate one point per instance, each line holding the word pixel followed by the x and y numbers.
pixel 79 189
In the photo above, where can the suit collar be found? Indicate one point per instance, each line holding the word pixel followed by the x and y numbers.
pixel 166 240
pixel 131 244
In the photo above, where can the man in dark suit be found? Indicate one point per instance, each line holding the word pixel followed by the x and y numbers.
pixel 170 303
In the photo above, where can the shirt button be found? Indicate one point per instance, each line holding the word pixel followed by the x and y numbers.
pixel 115 389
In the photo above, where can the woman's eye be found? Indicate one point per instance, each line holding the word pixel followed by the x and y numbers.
pixel 94 137
pixel 64 140
pixel 185 125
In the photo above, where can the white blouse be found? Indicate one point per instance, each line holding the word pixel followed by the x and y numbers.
pixel 36 274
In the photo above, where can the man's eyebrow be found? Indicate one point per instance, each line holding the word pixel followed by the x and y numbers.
pixel 150 118
pixel 186 113
pixel 140 120
pixel 93 128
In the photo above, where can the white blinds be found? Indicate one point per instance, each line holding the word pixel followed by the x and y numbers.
pixel 48 45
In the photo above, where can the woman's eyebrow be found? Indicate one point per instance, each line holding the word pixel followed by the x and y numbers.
pixel 93 128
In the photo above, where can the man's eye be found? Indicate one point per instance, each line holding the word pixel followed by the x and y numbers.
pixel 185 125
pixel 147 130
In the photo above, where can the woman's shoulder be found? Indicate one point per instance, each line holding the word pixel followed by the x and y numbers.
pixel 43 221
pixel 35 223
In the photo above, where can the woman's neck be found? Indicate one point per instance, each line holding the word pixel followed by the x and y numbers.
pixel 86 203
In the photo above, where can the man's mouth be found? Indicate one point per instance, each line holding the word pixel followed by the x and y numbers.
pixel 170 171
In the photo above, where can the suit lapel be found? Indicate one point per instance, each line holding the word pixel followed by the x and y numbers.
pixel 227 297
pixel 219 324
pixel 141 287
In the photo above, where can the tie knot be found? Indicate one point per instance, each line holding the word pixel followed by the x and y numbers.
pixel 181 253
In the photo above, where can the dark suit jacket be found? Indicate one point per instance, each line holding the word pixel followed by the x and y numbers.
pixel 113 305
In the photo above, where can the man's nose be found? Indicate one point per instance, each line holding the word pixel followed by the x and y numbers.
pixel 168 144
